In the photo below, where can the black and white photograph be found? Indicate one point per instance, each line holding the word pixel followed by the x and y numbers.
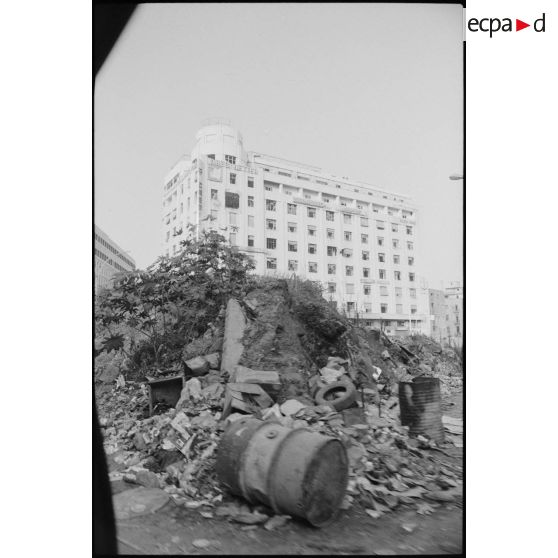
pixel 278 282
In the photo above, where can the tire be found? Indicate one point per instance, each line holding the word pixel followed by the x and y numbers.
pixel 345 395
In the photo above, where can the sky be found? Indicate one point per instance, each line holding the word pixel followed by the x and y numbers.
pixel 369 91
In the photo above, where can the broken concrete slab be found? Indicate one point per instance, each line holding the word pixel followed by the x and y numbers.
pixel 192 391
pixel 331 375
pixel 255 390
pixel 214 360
pixel 291 407
pixel 268 379
pixel 235 324
pixel 197 366
pixel 138 501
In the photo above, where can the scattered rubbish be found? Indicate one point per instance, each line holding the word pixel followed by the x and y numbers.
pixel 120 381
pixel 291 407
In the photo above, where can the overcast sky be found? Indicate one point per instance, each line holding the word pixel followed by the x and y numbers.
pixel 369 91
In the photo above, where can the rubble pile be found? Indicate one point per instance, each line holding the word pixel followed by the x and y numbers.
pixel 262 359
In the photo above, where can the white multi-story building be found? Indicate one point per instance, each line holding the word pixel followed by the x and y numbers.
pixel 357 240
pixel 109 259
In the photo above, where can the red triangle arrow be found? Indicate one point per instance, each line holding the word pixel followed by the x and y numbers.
pixel 519 25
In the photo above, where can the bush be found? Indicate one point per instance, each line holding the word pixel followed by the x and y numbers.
pixel 174 300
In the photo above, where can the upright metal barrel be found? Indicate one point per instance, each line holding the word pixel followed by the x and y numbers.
pixel 296 472
pixel 421 409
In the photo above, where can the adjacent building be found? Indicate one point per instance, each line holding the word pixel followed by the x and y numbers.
pixel 109 259
pixel 357 240
pixel 446 314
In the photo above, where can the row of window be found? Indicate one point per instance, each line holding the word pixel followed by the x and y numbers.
pixel 271 263
pixel 384 309
pixel 110 261
pixel 367 290
pixel 292 246
pixel 112 249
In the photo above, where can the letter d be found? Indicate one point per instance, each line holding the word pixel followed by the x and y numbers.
pixel 541 30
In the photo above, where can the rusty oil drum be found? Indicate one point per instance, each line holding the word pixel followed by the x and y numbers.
pixel 421 407
pixel 296 472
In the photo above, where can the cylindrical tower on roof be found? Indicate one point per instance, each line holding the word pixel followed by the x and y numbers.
pixel 217 137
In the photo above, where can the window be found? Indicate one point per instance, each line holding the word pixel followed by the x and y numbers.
pixel 380 225
pixel 350 306
pixel 394 227
pixel 311 212
pixel 330 233
pixel 268 187
pixel 367 289
pixel 250 240
pixel 284 173
pixel 211 156
pixel 413 293
pixel 311 248
pixel 364 221
pixel 232 200
pixel 347 252
pixel 397 275
pixel 409 245
pixel 270 205
pixel 329 216
pixel 271 263
pixel 168 235
pixel 271 224
pixel 250 183
pixel 214 194
pixel 409 229
pixel 402 323
pixel 411 277
pixel 331 251
pixel 292 246
pixel 411 260
pixel 250 201
pixel 395 243
pixel 230 159
pixel 271 243
pixel 413 309
pixel 331 287
pixel 382 273
pixel 250 220
pixel 311 231
pixel 291 208
pixel 213 214
pixel 366 272
pixel 291 227
pixel 312 267
pixel 350 288
pixel 367 308
pixel 331 269
pixel 293 265
pixel 399 308
pixel 383 290
pixel 383 308
pixel 395 259
pixel 348 235
pixel 232 178
pixel 398 292
pixel 232 218
pixel 232 238
pixel 349 270
pixel 365 255
pixel 347 219
pixel 380 241
pixel 381 257
pixel 364 238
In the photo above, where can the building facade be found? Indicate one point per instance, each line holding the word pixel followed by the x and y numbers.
pixel 437 305
pixel 358 241
pixel 109 259
pixel 454 314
